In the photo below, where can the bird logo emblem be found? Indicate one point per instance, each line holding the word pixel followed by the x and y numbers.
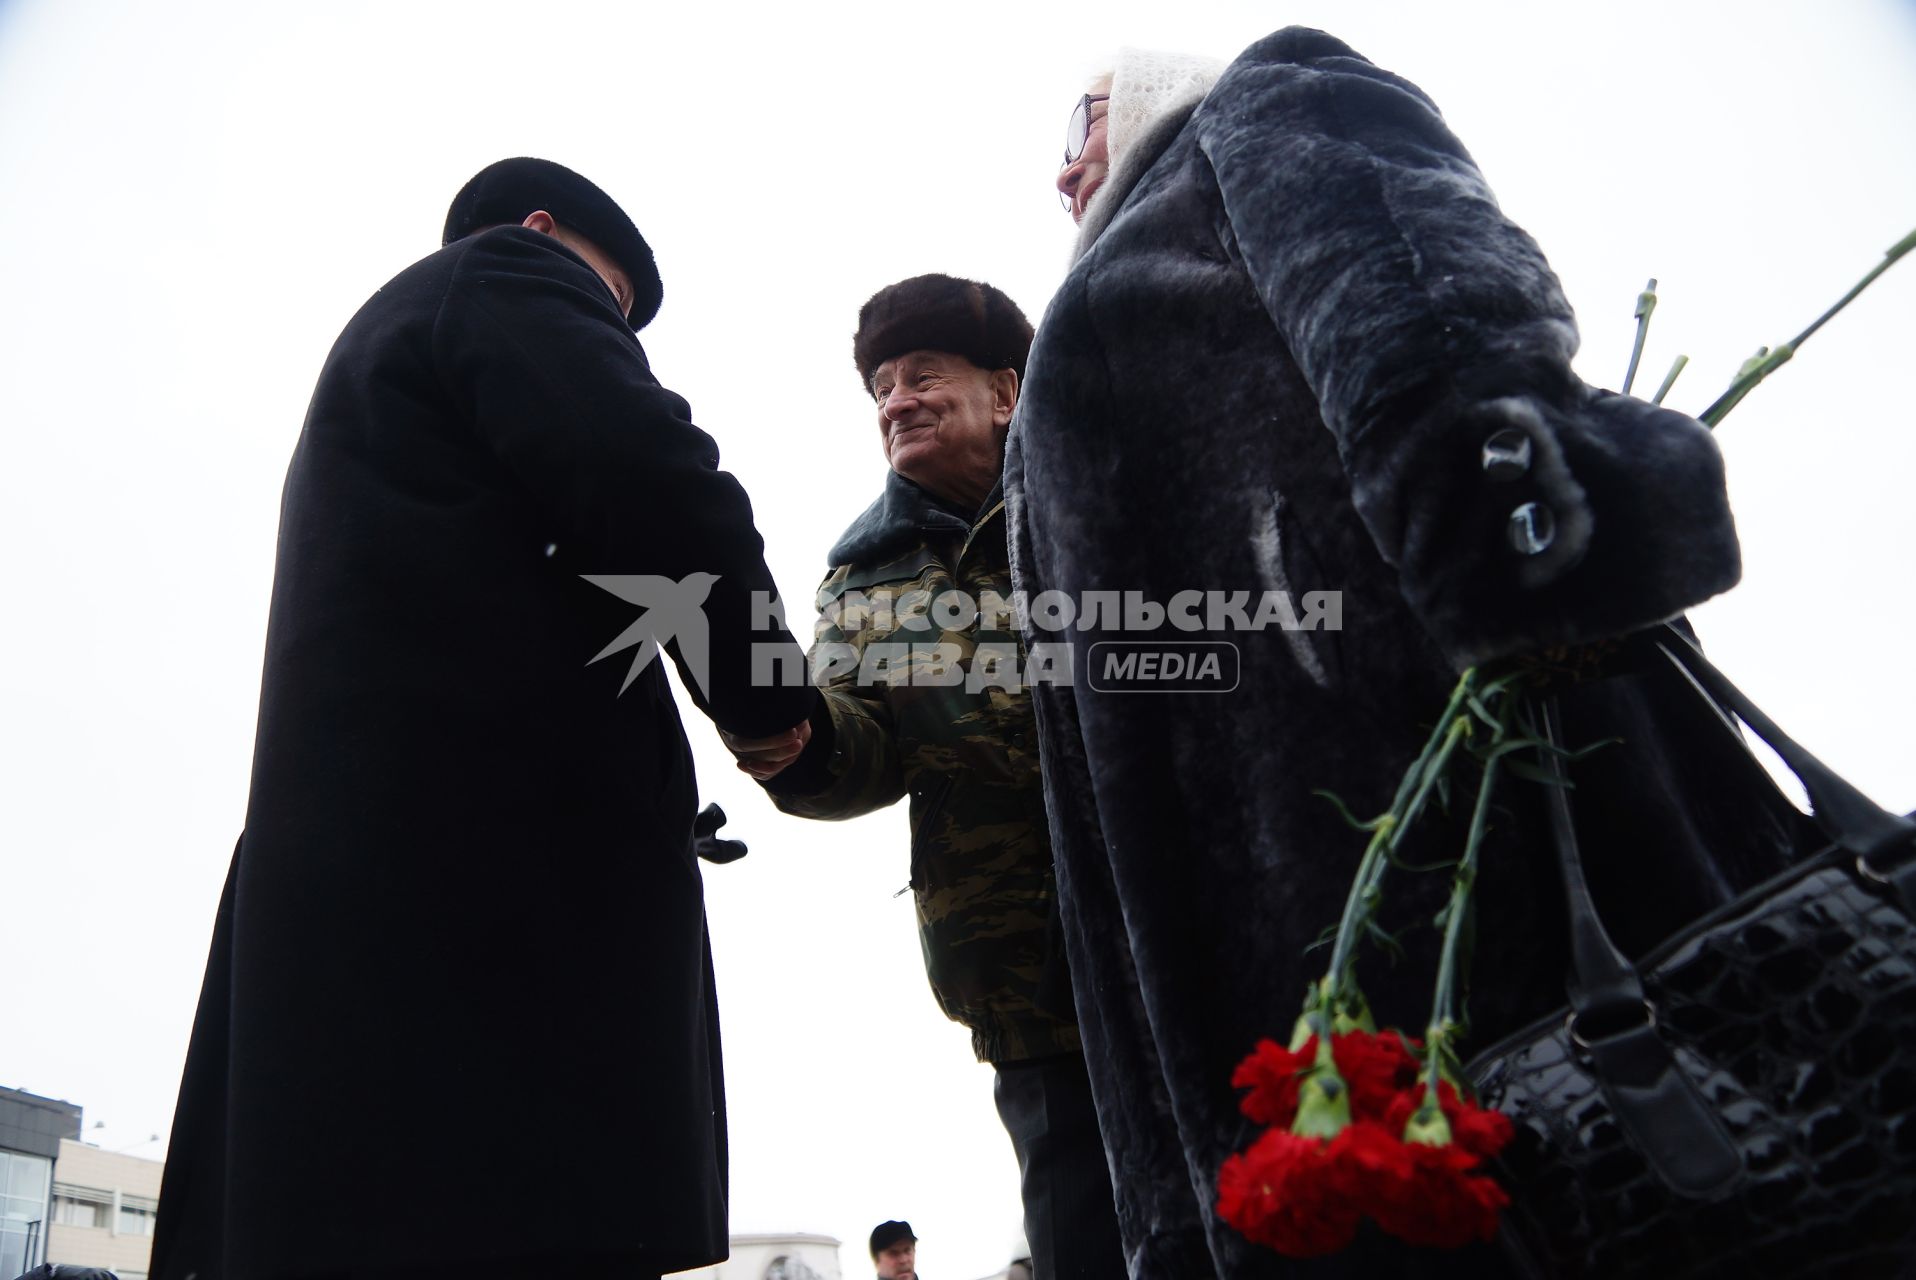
pixel 674 610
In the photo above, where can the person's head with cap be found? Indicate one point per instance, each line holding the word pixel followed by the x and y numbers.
pixel 943 359
pixel 552 199
pixel 895 1251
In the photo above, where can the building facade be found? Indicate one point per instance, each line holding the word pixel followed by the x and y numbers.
pixel 775 1257
pixel 103 1206
pixel 32 1130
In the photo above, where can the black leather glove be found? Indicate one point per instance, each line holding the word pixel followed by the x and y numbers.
pixel 705 841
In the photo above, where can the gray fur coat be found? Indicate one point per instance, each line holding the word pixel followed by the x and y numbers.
pixel 1297 320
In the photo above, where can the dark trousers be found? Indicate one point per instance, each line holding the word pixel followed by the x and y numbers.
pixel 1069 1220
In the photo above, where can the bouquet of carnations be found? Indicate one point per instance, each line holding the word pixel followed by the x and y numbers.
pixel 1361 1123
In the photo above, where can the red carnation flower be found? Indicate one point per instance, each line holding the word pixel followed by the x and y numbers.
pixel 1283 1192
pixel 1442 1204
pixel 1477 1130
pixel 1271 1074
pixel 1375 1067
pixel 1304 1196
pixel 1366 1155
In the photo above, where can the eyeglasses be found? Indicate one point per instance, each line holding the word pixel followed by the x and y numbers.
pixel 1077 130
pixel 1077 133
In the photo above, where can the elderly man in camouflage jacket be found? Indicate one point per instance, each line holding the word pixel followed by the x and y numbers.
pixel 920 664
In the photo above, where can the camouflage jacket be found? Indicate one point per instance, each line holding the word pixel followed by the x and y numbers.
pixel 926 702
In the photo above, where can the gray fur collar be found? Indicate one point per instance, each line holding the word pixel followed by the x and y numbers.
pixel 1132 166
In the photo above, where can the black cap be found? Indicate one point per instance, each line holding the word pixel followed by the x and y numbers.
pixel 887 1234
pixel 941 313
pixel 507 191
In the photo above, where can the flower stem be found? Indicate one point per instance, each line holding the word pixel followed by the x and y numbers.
pixel 1412 793
pixel 1669 379
pixel 1444 1003
pixel 1446 1013
pixel 1757 370
pixel 1646 303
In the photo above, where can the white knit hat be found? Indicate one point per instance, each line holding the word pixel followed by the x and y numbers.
pixel 1147 84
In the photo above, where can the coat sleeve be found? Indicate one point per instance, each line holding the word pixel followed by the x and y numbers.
pixel 530 344
pixel 852 766
pixel 1522 508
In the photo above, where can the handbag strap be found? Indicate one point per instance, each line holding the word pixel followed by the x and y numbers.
pixel 1884 843
pixel 1611 1020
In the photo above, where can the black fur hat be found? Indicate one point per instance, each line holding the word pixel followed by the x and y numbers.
pixel 507 191
pixel 941 313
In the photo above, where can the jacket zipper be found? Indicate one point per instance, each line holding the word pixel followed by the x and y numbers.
pixel 940 791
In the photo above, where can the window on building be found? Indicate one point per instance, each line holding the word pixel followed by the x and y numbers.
pixel 13 1245
pixel 71 1212
pixel 135 1221
pixel 24 1180
pixel 23 1186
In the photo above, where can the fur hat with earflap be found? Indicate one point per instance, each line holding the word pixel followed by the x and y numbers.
pixel 941 313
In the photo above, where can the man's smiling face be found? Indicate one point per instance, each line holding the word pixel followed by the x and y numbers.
pixel 942 421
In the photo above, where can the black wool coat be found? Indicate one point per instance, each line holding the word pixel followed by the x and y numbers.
pixel 1296 319
pixel 459 1009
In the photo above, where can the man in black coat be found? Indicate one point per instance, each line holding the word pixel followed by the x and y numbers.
pixel 458 1014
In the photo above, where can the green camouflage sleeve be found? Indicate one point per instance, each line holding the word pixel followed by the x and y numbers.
pixel 865 765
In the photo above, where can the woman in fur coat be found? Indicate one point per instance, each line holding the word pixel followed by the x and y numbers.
pixel 1300 350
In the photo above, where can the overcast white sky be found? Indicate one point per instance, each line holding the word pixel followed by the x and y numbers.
pixel 195 197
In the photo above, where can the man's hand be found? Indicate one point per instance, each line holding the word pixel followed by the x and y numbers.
pixel 764 757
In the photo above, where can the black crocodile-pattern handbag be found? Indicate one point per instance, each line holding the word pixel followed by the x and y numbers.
pixel 1742 1101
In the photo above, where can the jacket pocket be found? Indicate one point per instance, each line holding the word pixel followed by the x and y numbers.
pixel 928 806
